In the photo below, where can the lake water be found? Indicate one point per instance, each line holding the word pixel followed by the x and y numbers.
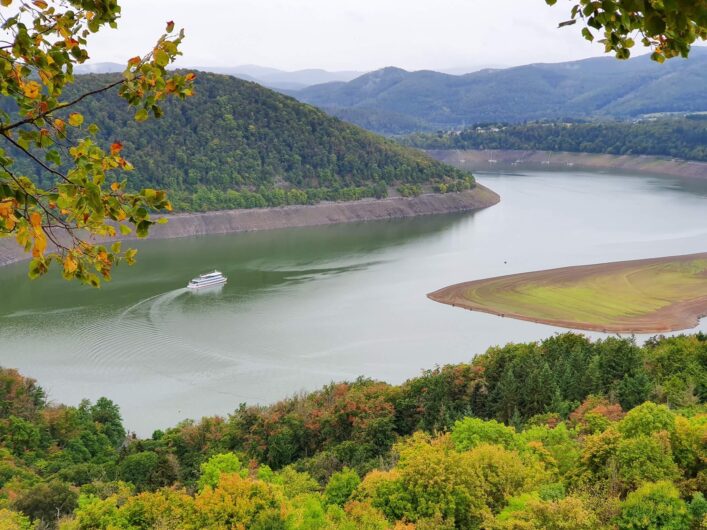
pixel 307 306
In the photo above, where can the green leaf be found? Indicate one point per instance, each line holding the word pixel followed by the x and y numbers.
pixel 161 58
pixel 654 25
pixel 143 228
pixel 36 268
pixel 141 115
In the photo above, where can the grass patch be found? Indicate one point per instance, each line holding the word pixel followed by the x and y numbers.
pixel 609 296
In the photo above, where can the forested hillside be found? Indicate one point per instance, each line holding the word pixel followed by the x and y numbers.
pixel 236 144
pixel 394 101
pixel 561 434
pixel 684 138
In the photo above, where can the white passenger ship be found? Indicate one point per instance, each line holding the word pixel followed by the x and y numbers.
pixel 207 280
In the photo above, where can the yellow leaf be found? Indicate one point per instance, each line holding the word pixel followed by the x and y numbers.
pixel 115 186
pixel 59 124
pixel 41 4
pixel 75 119
pixel 70 265
pixel 35 219
pixel 40 244
pixel 32 89
pixel 5 3
pixel 6 208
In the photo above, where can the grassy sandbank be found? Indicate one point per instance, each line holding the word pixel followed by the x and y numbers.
pixel 643 296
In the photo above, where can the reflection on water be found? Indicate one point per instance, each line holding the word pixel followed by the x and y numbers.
pixel 306 306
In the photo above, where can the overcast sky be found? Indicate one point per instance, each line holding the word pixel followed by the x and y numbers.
pixel 350 34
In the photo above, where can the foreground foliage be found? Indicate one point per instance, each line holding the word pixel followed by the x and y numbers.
pixel 565 433
pixel 80 193
pixel 669 28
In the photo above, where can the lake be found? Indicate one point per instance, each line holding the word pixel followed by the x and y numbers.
pixel 307 306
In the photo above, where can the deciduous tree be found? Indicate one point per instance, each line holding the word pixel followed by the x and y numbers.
pixel 43 41
pixel 669 28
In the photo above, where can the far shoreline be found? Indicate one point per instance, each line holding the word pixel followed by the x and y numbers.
pixel 325 213
pixel 488 160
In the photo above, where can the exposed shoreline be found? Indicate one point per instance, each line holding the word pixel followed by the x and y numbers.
pixel 325 213
pixel 676 316
pixel 495 159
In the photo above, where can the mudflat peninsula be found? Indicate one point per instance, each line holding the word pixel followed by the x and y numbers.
pixel 642 296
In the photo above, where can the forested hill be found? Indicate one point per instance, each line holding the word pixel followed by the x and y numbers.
pixel 394 101
pixel 237 144
pixel 684 138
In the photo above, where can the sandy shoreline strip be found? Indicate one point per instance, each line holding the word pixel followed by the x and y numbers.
pixel 498 159
pixel 233 221
pixel 677 316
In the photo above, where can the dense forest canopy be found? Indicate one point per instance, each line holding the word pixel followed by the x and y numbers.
pixel 237 144
pixel 684 137
pixel 564 433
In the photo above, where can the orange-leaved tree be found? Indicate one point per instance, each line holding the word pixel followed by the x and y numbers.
pixel 88 201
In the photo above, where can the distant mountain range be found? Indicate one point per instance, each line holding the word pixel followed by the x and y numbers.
pixel 395 101
pixel 269 77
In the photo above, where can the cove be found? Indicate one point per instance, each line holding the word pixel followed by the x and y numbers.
pixel 307 306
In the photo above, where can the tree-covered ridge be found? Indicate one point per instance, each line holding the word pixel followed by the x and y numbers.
pixel 394 101
pixel 565 433
pixel 236 144
pixel 684 138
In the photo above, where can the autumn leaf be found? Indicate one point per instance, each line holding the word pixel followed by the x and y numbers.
pixel 75 119
pixel 115 148
pixel 6 208
pixel 40 243
pixel 41 4
pixel 115 186
pixel 70 265
pixel 35 219
pixel 32 89
pixel 170 26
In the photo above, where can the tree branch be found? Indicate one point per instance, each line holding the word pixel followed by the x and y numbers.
pixel 35 159
pixel 25 121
